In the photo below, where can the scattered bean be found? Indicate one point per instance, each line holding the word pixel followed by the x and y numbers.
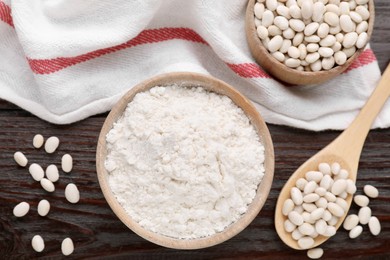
pixel 43 208
pixel 72 194
pixel 21 209
pixel 36 171
pixel 20 159
pixel 37 243
pixel 374 226
pixel 315 253
pixel 371 191
pixel 38 141
pixel 52 144
pixel 67 246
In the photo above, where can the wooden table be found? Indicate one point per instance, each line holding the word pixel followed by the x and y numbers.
pixel 98 233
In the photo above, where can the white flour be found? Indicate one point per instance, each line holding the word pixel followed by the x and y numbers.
pixel 184 162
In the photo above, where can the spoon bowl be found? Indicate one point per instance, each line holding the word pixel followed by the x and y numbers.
pixel 345 150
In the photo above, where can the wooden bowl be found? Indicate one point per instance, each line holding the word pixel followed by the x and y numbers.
pixel 281 71
pixel 211 84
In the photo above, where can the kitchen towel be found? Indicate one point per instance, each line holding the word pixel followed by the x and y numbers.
pixel 65 60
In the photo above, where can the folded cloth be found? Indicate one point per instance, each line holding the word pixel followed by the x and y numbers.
pixel 65 60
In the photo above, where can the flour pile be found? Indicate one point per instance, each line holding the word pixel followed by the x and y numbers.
pixel 184 162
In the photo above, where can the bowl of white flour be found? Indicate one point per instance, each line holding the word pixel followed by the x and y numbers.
pixel 185 161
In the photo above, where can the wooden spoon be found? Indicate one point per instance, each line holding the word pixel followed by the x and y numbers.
pixel 345 149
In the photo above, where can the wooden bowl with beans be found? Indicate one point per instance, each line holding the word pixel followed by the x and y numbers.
pixel 300 42
pixel 211 86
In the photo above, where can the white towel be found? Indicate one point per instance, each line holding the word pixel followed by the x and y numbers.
pixel 65 60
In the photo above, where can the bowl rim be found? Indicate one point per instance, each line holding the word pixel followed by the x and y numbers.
pixel 210 84
pixel 288 75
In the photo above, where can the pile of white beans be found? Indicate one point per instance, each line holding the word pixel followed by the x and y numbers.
pixel 312 35
pixel 316 204
pixel 318 201
pixel 72 193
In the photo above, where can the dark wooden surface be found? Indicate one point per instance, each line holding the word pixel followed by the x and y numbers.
pixel 97 232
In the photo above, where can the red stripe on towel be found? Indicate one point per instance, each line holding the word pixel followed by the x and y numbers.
pixel 5 14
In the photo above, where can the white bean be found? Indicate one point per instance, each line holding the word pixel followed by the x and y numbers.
pixel 323 30
pixel 20 159
pixel 52 144
pixel 297 25
pixel 330 231
pixel 327 215
pixel 336 47
pixel 326 182
pixel 295 218
pixel 312 197
pixel 295 12
pixel 47 185
pixel 72 193
pixel 355 232
pixel 21 209
pixel 318 11
pixel 355 17
pixel 288 33
pixel 281 22
pixel 306 229
pixel 279 56
pixel 298 39
pixel 335 209
pixel 288 206
pixel 364 215
pixel 339 186
pixel 330 197
pixel 346 23
pixel 311 28
pixel 273 30
pixel 262 32
pixel 315 253
pixel 317 214
pixel 52 173
pixel 362 27
pixel 275 43
pixel 349 51
pixel 268 18
pixel 342 203
pixel 351 221
pixel 285 45
pixel 271 4
pixel 312 57
pixel 36 171
pixel 67 163
pixel 259 10
pixel 307 9
pixel 299 209
pixel 43 207
pixel 335 168
pixel 38 141
pixel 294 53
pixel 37 243
pixel 333 8
pixel 328 41
pixel 322 203
pixel 284 11
pixel 316 66
pixel 289 226
pixel 305 242
pixel 362 40
pixel 312 38
pixel 257 22
pixel 340 57
pixel 324 167
pixel 364 13
pixel 303 50
pixel 67 246
pixel 350 39
pixel 331 18
pixel 320 226
pixel 361 200
pixel 374 225
pixel 351 187
pixel 325 52
pixel 315 176
pixel 335 29
pixel 328 63
pixel 320 191
pixel 310 187
pixel 309 207
pixel 344 8
pixel 371 191
pixel 296 234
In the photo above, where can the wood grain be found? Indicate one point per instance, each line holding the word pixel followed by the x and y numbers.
pixel 97 232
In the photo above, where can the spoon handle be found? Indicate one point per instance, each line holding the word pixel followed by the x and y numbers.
pixel 351 141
